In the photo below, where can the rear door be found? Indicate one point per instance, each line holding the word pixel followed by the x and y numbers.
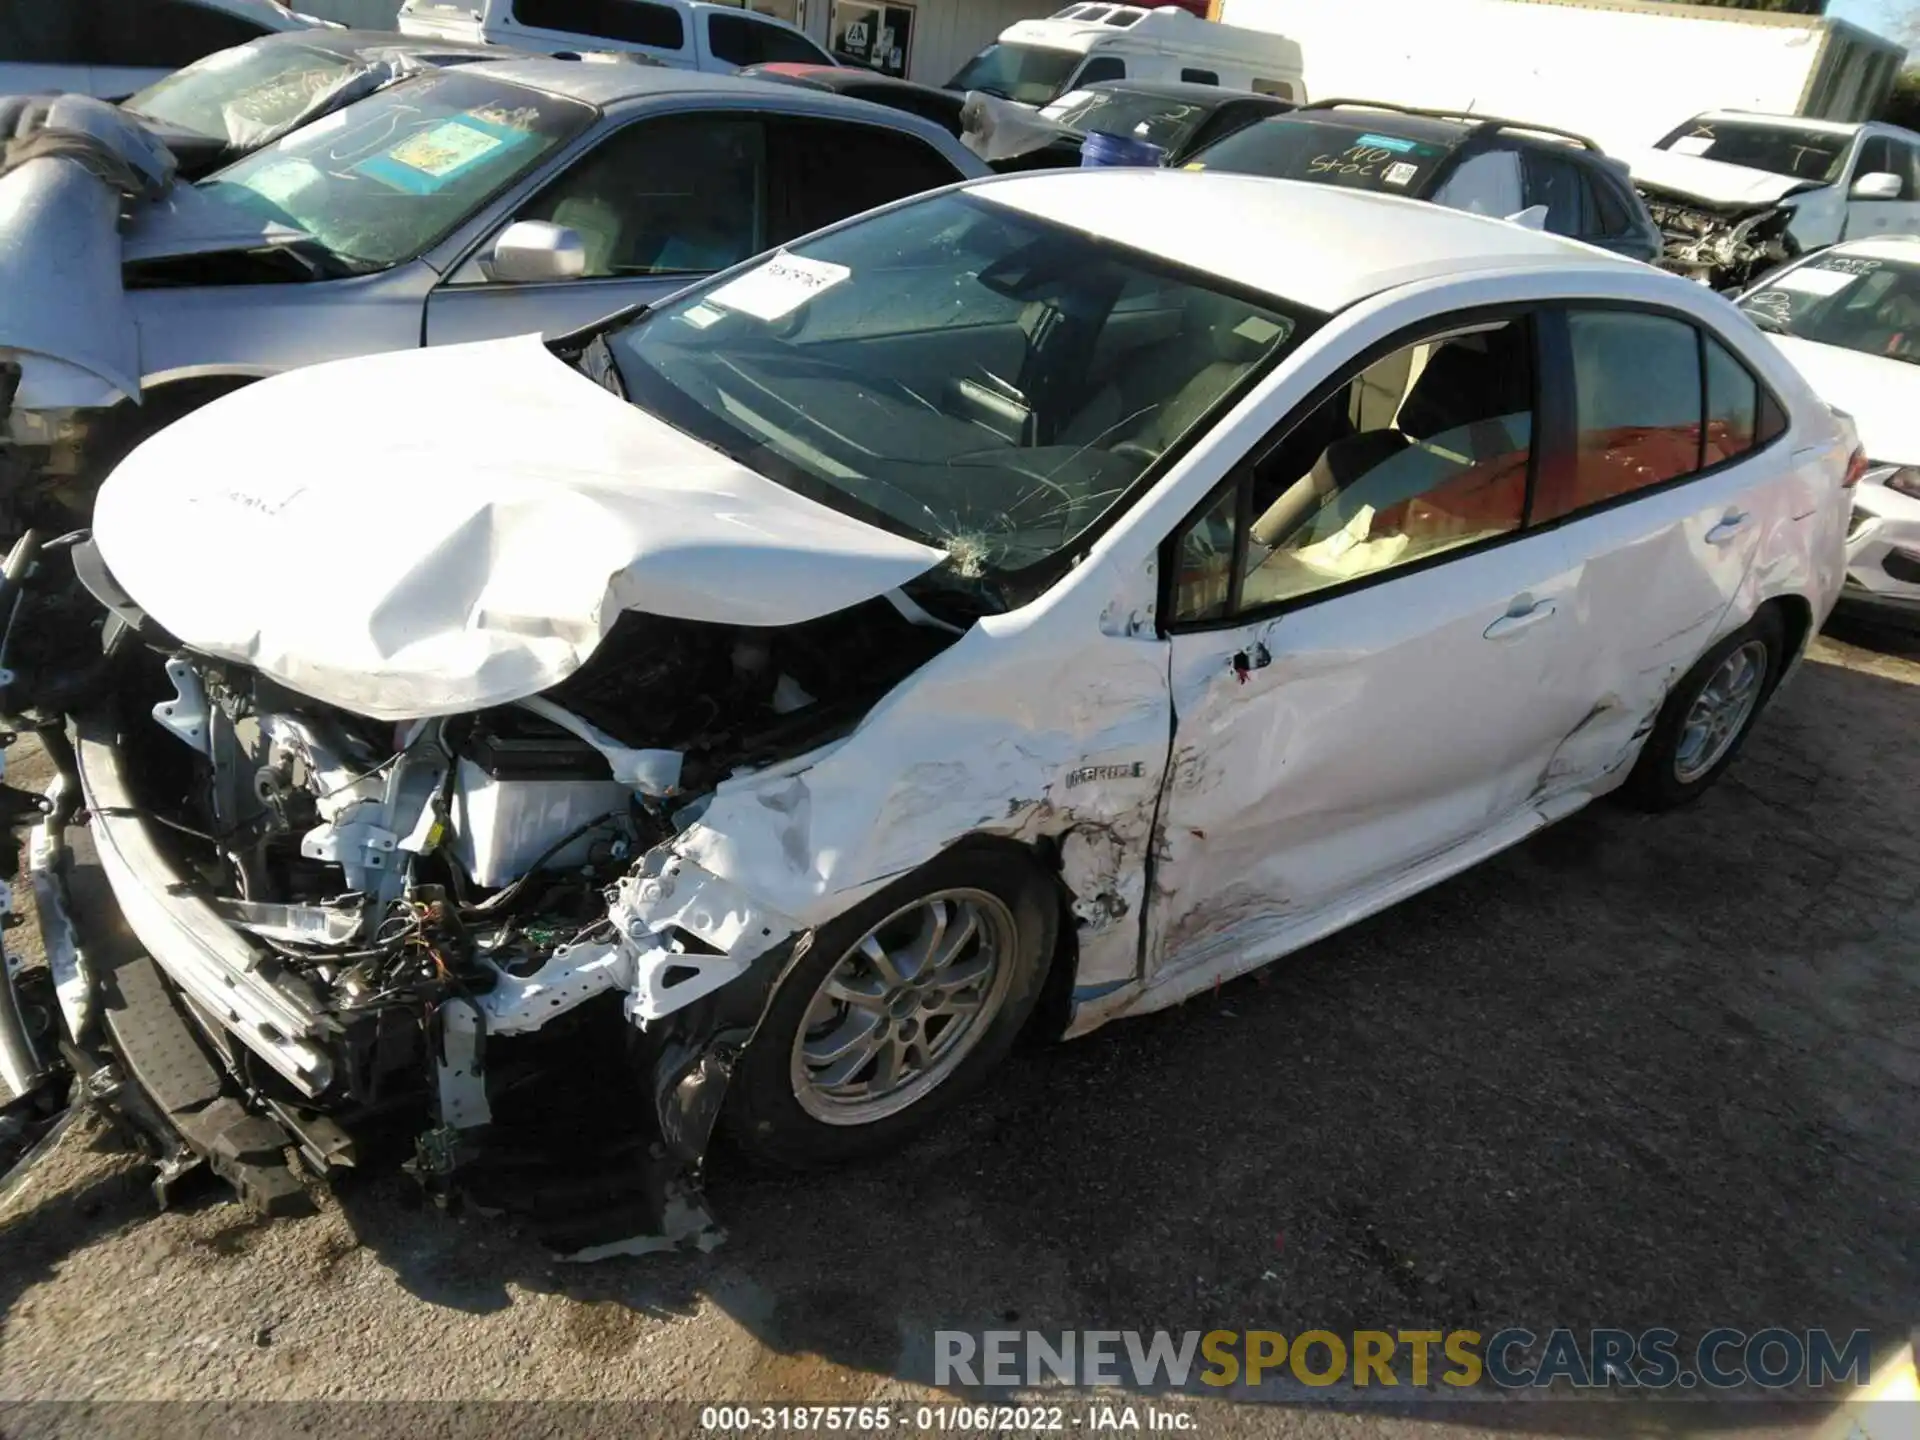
pixel 1670 477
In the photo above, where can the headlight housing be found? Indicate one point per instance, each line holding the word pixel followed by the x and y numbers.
pixel 1904 478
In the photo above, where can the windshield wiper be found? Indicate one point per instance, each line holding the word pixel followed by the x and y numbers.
pixel 325 264
pixel 1772 324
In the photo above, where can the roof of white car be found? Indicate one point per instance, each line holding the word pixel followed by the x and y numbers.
pixel 1786 122
pixel 1882 247
pixel 266 12
pixel 1317 245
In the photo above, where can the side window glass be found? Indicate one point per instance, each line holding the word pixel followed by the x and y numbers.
pixel 1203 562
pixel 1733 405
pixel 1610 209
pixel 1556 184
pixel 1101 67
pixel 1200 77
pixel 638 22
pixel 1880 155
pixel 32 32
pixel 670 196
pixel 1484 184
pixel 1426 450
pixel 1637 408
pixel 742 40
pixel 828 170
pixel 163 34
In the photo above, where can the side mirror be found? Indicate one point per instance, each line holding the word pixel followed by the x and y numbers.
pixel 530 251
pixel 1878 186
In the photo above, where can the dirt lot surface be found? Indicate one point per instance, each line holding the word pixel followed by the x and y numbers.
pixel 1637 1072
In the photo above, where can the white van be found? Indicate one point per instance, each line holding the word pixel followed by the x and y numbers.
pixel 686 34
pixel 1037 61
pixel 111 48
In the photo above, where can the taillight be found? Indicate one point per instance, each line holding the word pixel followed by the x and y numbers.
pixel 1856 467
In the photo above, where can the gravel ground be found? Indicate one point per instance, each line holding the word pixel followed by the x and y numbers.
pixel 1636 1072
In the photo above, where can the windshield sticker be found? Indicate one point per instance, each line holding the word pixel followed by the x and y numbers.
pixel 703 315
pixel 1809 281
pixel 1387 142
pixel 1260 330
pixel 1849 264
pixel 1400 173
pixel 1692 145
pixel 1362 160
pixel 779 287
pixel 429 160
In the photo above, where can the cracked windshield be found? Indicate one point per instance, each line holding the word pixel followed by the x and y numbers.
pixel 956 371
pixel 1858 301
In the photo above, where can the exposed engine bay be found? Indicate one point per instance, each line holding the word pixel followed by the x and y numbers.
pixel 456 924
pixel 1726 247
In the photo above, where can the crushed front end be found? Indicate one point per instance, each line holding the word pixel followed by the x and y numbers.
pixel 460 942
pixel 1724 246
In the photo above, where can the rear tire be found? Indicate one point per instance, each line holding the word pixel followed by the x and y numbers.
pixel 899 1009
pixel 1708 716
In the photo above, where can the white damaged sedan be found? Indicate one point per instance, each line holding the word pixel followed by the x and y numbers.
pixel 1848 317
pixel 1014 609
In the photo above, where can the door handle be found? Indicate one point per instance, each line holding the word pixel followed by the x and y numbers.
pixel 1512 623
pixel 1731 524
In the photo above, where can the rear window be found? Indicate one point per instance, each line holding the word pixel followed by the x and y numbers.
pixel 1357 156
pixel 638 22
pixel 743 40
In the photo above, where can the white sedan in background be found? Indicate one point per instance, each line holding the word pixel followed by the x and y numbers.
pixel 1849 318
pixel 1033 602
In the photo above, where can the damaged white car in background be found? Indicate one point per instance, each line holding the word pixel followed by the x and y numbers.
pixel 1736 193
pixel 1849 320
pixel 1007 611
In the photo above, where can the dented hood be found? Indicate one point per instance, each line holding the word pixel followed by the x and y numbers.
pixel 1714 181
pixel 434 531
pixel 1877 391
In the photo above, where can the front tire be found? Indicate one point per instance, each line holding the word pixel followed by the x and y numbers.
pixel 1708 716
pixel 899 1009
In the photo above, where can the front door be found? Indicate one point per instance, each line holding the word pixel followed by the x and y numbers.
pixel 1900 215
pixel 1370 659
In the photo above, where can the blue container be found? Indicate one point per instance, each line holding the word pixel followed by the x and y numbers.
pixel 1101 148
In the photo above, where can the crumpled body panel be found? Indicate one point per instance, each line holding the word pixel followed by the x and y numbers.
pixel 468 526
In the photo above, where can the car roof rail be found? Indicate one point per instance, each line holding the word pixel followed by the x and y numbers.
pixel 1482 124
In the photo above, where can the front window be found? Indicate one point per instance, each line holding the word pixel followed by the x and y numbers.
pixel 385 178
pixel 1858 302
pixel 240 95
pixel 1778 149
pixel 955 371
pixel 1030 74
pixel 1153 118
pixel 1352 154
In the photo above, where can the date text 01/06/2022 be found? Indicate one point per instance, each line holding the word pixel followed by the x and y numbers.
pixel 961 1418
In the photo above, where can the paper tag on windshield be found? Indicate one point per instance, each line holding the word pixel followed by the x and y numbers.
pixel 779 287
pixel 1691 145
pixel 1400 173
pixel 1813 282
